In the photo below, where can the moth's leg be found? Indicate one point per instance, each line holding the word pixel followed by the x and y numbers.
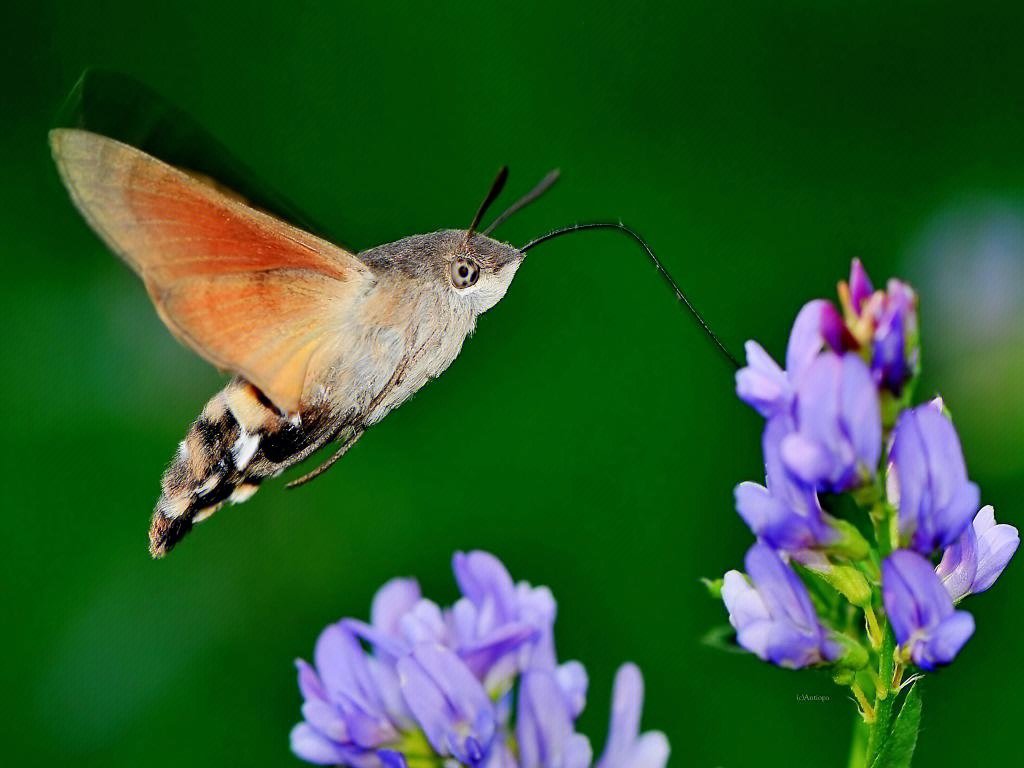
pixel 346 443
pixel 350 433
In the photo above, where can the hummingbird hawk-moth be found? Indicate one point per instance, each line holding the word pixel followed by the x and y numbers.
pixel 322 343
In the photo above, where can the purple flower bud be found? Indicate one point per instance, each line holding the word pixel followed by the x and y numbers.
pixel 927 480
pixel 838 435
pixel 973 563
pixel 927 628
pixel 786 514
pixel 773 614
pixel 860 286
pixel 768 389
pixel 893 358
pixel 626 746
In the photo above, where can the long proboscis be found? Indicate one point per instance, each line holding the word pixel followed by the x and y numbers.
pixel 665 275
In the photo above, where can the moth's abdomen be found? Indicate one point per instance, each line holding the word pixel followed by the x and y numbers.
pixel 238 440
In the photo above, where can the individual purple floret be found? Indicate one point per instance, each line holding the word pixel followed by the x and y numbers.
pixel 973 563
pixel 773 614
pixel 448 703
pixel 783 513
pixel 438 685
pixel 762 384
pixel 837 439
pixel 927 480
pixel 768 389
pixel 927 627
pixel 545 733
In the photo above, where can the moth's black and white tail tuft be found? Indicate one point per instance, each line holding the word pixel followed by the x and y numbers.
pixel 238 440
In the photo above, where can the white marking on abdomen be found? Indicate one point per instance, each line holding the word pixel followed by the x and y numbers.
pixel 244 449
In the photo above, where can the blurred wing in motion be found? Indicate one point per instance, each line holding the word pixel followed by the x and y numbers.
pixel 120 107
pixel 248 292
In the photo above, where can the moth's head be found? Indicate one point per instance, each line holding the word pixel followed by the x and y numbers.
pixel 478 268
pixel 471 272
pixel 475 268
pixel 466 266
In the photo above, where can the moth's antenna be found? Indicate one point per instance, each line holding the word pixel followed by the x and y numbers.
pixel 542 186
pixel 657 264
pixel 492 195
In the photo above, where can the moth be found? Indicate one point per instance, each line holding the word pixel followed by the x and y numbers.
pixel 322 343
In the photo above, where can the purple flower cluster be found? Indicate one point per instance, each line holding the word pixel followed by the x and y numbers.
pixel 838 421
pixel 476 684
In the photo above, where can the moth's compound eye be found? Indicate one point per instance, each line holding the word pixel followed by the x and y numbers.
pixel 465 272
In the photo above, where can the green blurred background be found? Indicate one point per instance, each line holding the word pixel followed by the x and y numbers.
pixel 757 146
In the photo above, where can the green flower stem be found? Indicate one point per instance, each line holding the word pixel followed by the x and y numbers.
pixel 879 730
pixel 868 749
pixel 881 515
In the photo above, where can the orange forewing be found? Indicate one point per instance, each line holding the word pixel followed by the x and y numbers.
pixel 248 292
